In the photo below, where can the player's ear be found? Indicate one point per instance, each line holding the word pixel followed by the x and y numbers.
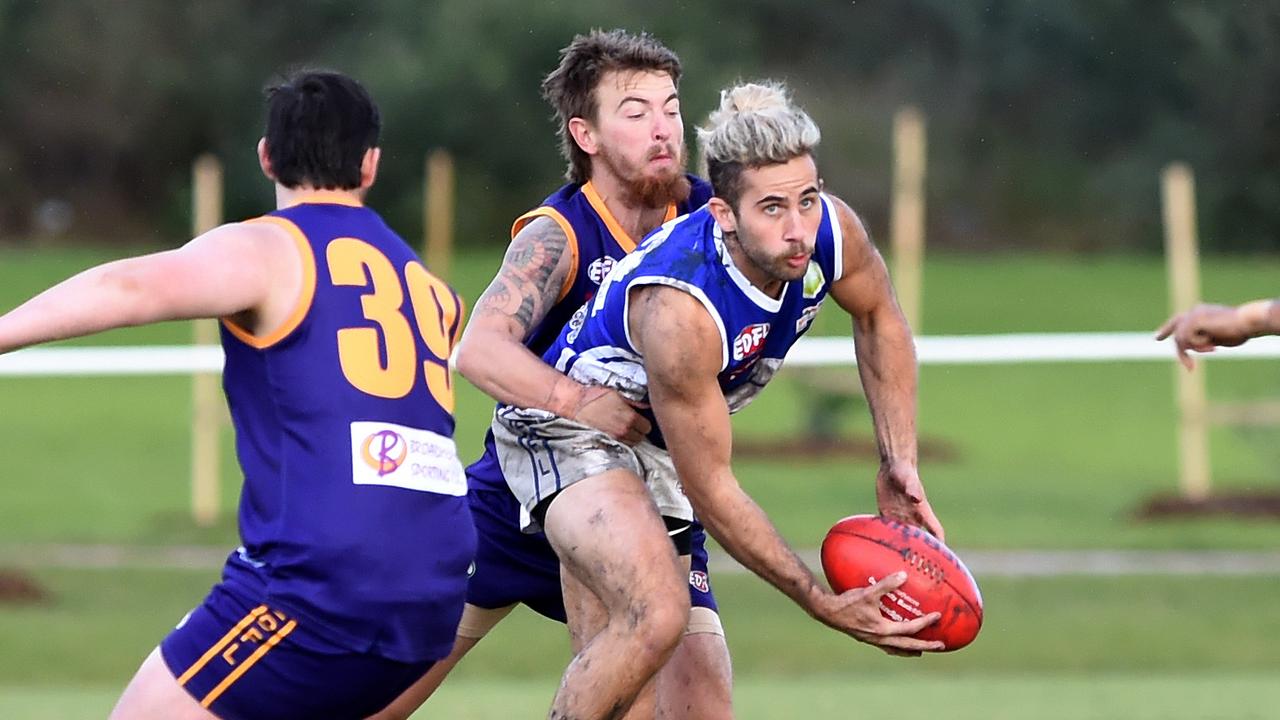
pixel 584 135
pixel 723 213
pixel 264 161
pixel 369 166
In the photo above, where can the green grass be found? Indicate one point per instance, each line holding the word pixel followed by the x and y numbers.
pixel 105 460
pixel 1199 696
pixel 1195 696
pixel 1045 455
pixel 1140 647
pixel 101 623
pixel 1041 456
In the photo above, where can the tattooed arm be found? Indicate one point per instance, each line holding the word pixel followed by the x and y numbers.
pixel 492 354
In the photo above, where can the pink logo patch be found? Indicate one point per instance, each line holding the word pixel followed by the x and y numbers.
pixel 384 451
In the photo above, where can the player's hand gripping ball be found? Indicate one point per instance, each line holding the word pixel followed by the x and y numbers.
pixel 862 549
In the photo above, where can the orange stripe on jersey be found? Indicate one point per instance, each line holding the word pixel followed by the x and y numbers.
pixel 620 236
pixel 554 214
pixel 326 197
pixel 217 647
pixel 460 321
pixel 305 295
pixel 243 667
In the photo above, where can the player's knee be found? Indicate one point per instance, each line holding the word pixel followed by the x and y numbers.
pixel 717 705
pixel 659 623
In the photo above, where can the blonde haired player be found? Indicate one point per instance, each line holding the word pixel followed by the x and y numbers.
pixel 692 325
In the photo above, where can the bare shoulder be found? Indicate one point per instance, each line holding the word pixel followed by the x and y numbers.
pixel 261 240
pixel 673 328
pixel 278 248
pixel 254 241
pixel 662 307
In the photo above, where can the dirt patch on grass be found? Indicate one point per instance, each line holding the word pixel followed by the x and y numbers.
pixel 1256 505
pixel 21 588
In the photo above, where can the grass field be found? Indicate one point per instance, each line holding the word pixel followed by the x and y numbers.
pixel 1202 696
pixel 1043 456
pixel 1057 648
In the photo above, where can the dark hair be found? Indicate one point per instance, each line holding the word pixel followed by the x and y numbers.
pixel 319 126
pixel 571 87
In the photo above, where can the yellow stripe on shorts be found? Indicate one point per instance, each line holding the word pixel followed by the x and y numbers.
pixel 217 647
pixel 243 667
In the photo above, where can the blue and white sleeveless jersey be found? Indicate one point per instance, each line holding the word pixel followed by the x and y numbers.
pixel 688 253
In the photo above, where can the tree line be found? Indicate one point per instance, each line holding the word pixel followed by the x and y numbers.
pixel 1048 121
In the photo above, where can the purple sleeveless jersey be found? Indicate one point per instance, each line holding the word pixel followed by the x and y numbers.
pixel 353 514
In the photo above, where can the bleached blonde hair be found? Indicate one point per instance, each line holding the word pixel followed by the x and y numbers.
pixel 756 125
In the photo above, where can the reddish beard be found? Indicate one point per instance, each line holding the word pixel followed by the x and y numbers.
pixel 651 191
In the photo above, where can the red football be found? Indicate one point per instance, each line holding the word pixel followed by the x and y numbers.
pixel 862 549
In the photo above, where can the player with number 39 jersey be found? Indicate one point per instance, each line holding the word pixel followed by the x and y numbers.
pixel 344 430
pixel 354 519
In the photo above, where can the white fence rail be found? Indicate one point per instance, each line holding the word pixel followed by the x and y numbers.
pixel 816 351
pixel 1026 348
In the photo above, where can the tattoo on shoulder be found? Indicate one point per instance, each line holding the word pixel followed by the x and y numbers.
pixel 528 283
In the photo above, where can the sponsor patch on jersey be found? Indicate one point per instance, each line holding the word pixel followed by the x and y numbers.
pixel 814 280
pixel 806 317
pixel 599 269
pixel 575 324
pixel 750 341
pixel 698 580
pixel 405 457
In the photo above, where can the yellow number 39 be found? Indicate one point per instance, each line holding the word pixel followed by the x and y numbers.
pixel 361 350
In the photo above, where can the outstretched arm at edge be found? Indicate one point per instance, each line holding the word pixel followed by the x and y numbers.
pixel 251 271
